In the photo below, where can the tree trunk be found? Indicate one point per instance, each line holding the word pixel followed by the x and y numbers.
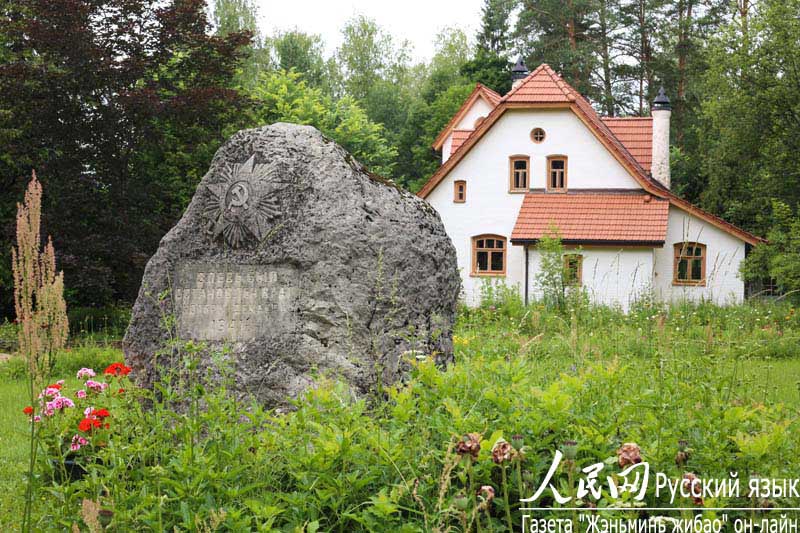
pixel 605 54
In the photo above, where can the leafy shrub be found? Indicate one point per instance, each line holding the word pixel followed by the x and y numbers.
pixel 197 458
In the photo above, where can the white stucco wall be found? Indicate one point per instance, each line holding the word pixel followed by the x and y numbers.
pixel 490 208
pixel 611 276
pixel 724 253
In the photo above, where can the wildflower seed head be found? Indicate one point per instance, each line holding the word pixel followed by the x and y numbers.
pixel 629 454
pixel 470 444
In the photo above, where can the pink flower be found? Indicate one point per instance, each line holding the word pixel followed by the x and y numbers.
pixel 85 373
pixel 96 386
pixel 62 402
pixel 49 409
pixel 77 442
pixel 51 392
pixel 37 418
pixel 60 382
pixel 81 394
pixel 88 411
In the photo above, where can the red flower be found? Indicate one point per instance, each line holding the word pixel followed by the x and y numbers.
pixel 54 386
pixel 100 413
pixel 87 424
pixel 120 391
pixel 118 369
pixel 28 410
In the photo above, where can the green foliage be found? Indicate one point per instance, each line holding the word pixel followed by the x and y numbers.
pixel 120 117
pixel 286 97
pixel 780 257
pixel 197 457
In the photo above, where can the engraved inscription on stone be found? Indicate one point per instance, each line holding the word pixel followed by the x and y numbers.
pixel 233 302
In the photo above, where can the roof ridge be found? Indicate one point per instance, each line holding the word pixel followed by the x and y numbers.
pixel 522 82
pixel 568 90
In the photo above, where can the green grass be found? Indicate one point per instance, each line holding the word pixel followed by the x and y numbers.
pixel 725 379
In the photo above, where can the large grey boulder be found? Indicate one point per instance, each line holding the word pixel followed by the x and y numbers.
pixel 301 263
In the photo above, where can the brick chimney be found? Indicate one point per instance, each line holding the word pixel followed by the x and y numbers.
pixel 661 111
pixel 518 73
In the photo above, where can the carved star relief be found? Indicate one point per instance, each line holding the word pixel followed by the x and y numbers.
pixel 241 207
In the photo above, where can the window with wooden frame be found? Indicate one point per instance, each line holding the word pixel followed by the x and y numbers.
pixel 573 270
pixel 519 167
pixel 690 264
pixel 460 191
pixel 557 173
pixel 488 255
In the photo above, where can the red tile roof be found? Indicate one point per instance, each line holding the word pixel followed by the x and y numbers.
pixel 543 88
pixel 542 85
pixel 459 136
pixel 593 218
pixel 636 135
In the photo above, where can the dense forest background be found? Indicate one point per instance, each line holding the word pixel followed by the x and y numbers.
pixel 119 106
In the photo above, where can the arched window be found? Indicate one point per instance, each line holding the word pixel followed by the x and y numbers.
pixel 690 264
pixel 518 170
pixel 488 255
pixel 557 173
pixel 460 191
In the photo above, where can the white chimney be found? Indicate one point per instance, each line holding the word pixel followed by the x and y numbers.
pixel 661 112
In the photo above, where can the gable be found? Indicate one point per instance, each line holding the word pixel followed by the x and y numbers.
pixel 590 165
pixel 480 108
pixel 480 102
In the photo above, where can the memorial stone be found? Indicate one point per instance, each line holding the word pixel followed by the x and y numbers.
pixel 297 262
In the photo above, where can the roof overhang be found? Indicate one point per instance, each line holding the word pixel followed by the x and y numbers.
pixel 596 243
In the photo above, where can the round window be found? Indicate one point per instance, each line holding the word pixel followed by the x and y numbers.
pixel 537 135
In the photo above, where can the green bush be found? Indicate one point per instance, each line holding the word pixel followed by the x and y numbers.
pixel 188 456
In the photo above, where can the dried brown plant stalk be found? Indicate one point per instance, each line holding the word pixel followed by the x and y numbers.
pixel 40 308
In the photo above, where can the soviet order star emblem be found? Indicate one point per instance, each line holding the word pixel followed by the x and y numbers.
pixel 240 208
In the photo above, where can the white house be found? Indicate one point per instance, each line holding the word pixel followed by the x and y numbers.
pixel 539 157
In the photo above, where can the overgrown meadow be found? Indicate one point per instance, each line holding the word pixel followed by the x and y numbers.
pixel 699 389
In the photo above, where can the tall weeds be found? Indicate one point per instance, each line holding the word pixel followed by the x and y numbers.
pixel 40 308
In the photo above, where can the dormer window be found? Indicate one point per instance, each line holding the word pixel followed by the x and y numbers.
pixel 460 192
pixel 557 173
pixel 518 173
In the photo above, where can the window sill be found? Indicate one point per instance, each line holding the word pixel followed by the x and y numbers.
pixel 517 191
pixel 487 274
pixel 459 201
pixel 557 191
pixel 678 283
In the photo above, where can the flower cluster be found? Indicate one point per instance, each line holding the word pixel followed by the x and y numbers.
pixel 52 402
pixel 117 369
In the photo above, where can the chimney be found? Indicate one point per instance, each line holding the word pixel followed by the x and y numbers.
pixel 518 73
pixel 661 111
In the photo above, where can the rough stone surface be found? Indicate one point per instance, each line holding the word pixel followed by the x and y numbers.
pixel 301 263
